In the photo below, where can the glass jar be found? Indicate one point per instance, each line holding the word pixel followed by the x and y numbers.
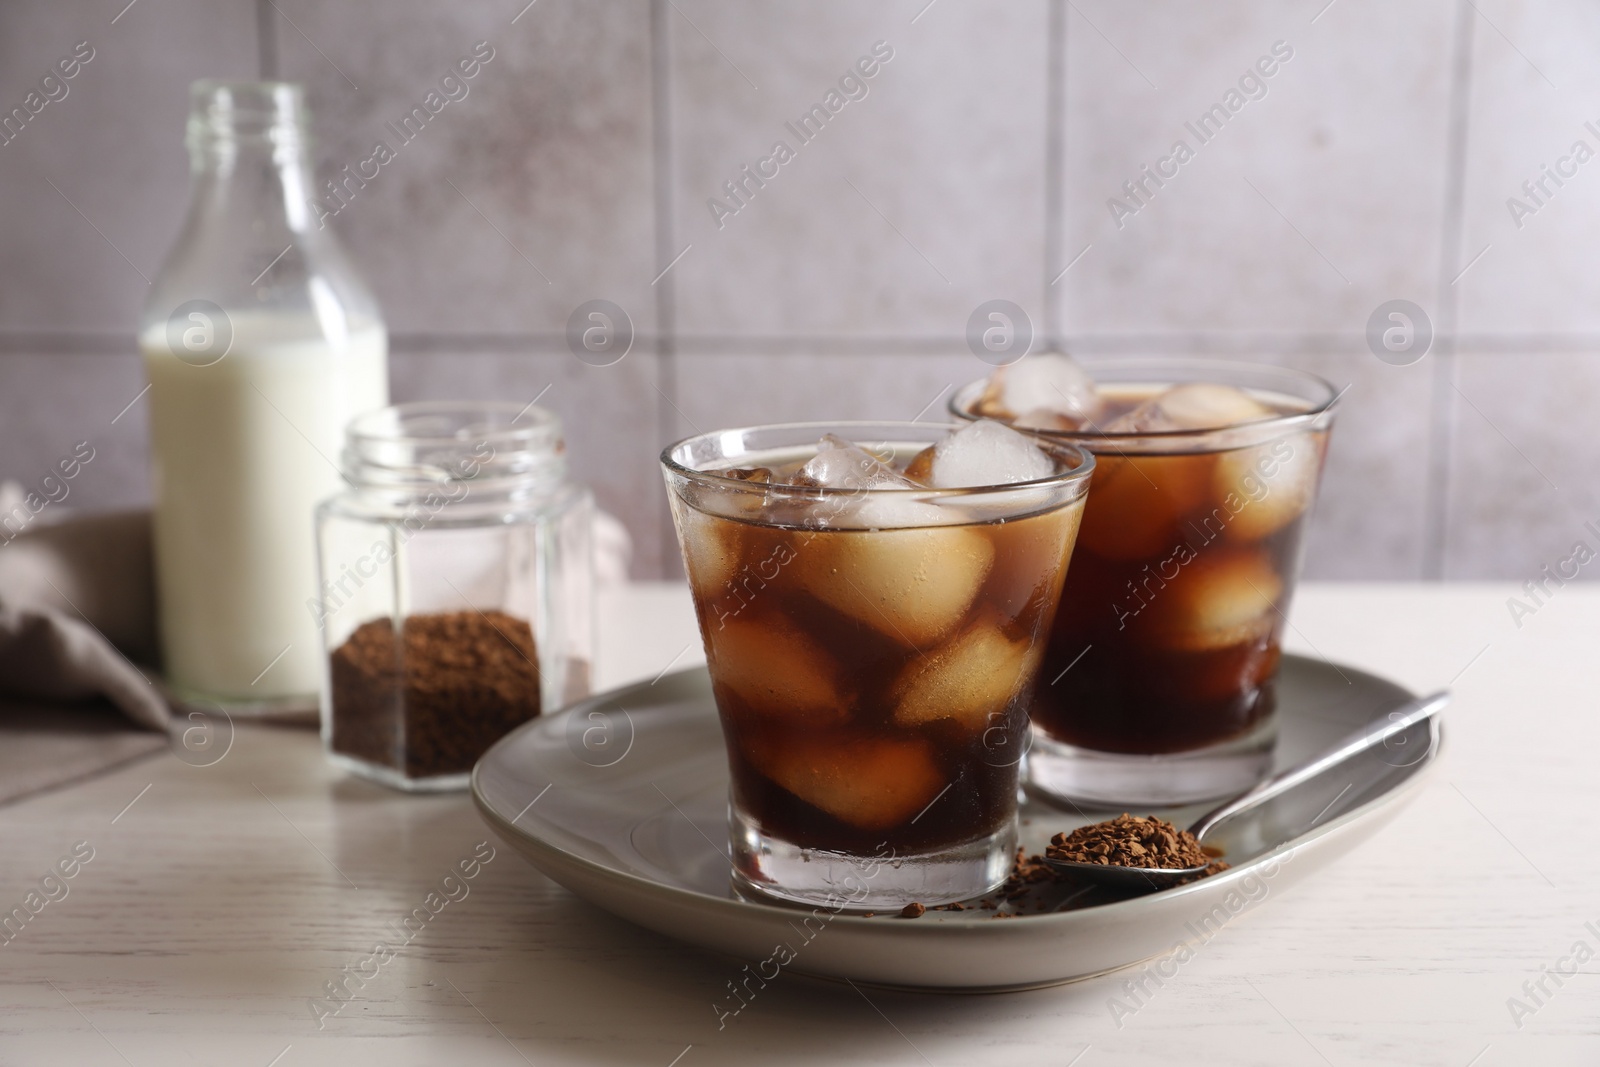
pixel 261 344
pixel 457 589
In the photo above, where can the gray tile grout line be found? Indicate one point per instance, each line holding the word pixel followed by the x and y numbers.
pixel 1055 168
pixel 1441 414
pixel 666 288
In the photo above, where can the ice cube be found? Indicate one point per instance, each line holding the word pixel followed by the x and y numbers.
pixel 840 464
pixel 871 783
pixel 1047 382
pixel 736 501
pixel 1269 486
pixel 1031 561
pixel 970 679
pixel 1222 677
pixel 712 548
pixel 987 453
pixel 890 511
pixel 914 586
pixel 775 670
pixel 1219 598
pixel 1136 503
pixel 1045 419
pixel 1192 406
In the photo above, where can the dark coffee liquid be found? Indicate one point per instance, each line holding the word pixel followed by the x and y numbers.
pixel 873 684
pixel 1167 638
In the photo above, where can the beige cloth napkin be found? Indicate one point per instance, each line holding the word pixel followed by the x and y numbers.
pixel 76 611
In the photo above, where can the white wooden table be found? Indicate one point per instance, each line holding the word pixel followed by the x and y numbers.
pixel 219 903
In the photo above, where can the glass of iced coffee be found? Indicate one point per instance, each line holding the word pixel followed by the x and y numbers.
pixel 874 600
pixel 1158 683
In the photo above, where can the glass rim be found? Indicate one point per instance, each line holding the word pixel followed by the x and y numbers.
pixel 238 111
pixel 963 397
pixel 385 450
pixel 1081 471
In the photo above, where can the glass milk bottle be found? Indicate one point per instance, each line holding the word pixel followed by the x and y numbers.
pixel 260 343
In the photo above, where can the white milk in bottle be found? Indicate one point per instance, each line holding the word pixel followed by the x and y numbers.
pixel 243 450
pixel 260 344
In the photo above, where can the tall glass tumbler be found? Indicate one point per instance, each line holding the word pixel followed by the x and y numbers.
pixel 873 653
pixel 1159 682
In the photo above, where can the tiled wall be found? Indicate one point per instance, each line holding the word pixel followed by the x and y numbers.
pixel 1373 163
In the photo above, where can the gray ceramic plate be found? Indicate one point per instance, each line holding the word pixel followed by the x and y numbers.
pixel 622 799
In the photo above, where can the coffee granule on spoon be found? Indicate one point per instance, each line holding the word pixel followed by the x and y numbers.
pixel 1130 841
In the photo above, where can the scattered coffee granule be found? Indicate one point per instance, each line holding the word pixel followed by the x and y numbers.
pixel 435 701
pixel 1030 870
pixel 912 910
pixel 1130 841
pixel 1027 874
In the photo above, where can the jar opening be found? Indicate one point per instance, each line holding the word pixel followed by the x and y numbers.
pixel 491 447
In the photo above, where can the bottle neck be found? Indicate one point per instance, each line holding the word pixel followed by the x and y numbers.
pixel 251 244
pixel 249 154
pixel 264 183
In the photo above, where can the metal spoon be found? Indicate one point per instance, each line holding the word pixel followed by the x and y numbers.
pixel 1376 733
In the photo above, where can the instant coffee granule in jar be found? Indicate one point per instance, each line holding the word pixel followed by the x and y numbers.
pixel 431 703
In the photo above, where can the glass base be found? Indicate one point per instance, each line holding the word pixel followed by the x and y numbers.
pixel 1062 773
pixel 297 708
pixel 439 783
pixel 769 869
